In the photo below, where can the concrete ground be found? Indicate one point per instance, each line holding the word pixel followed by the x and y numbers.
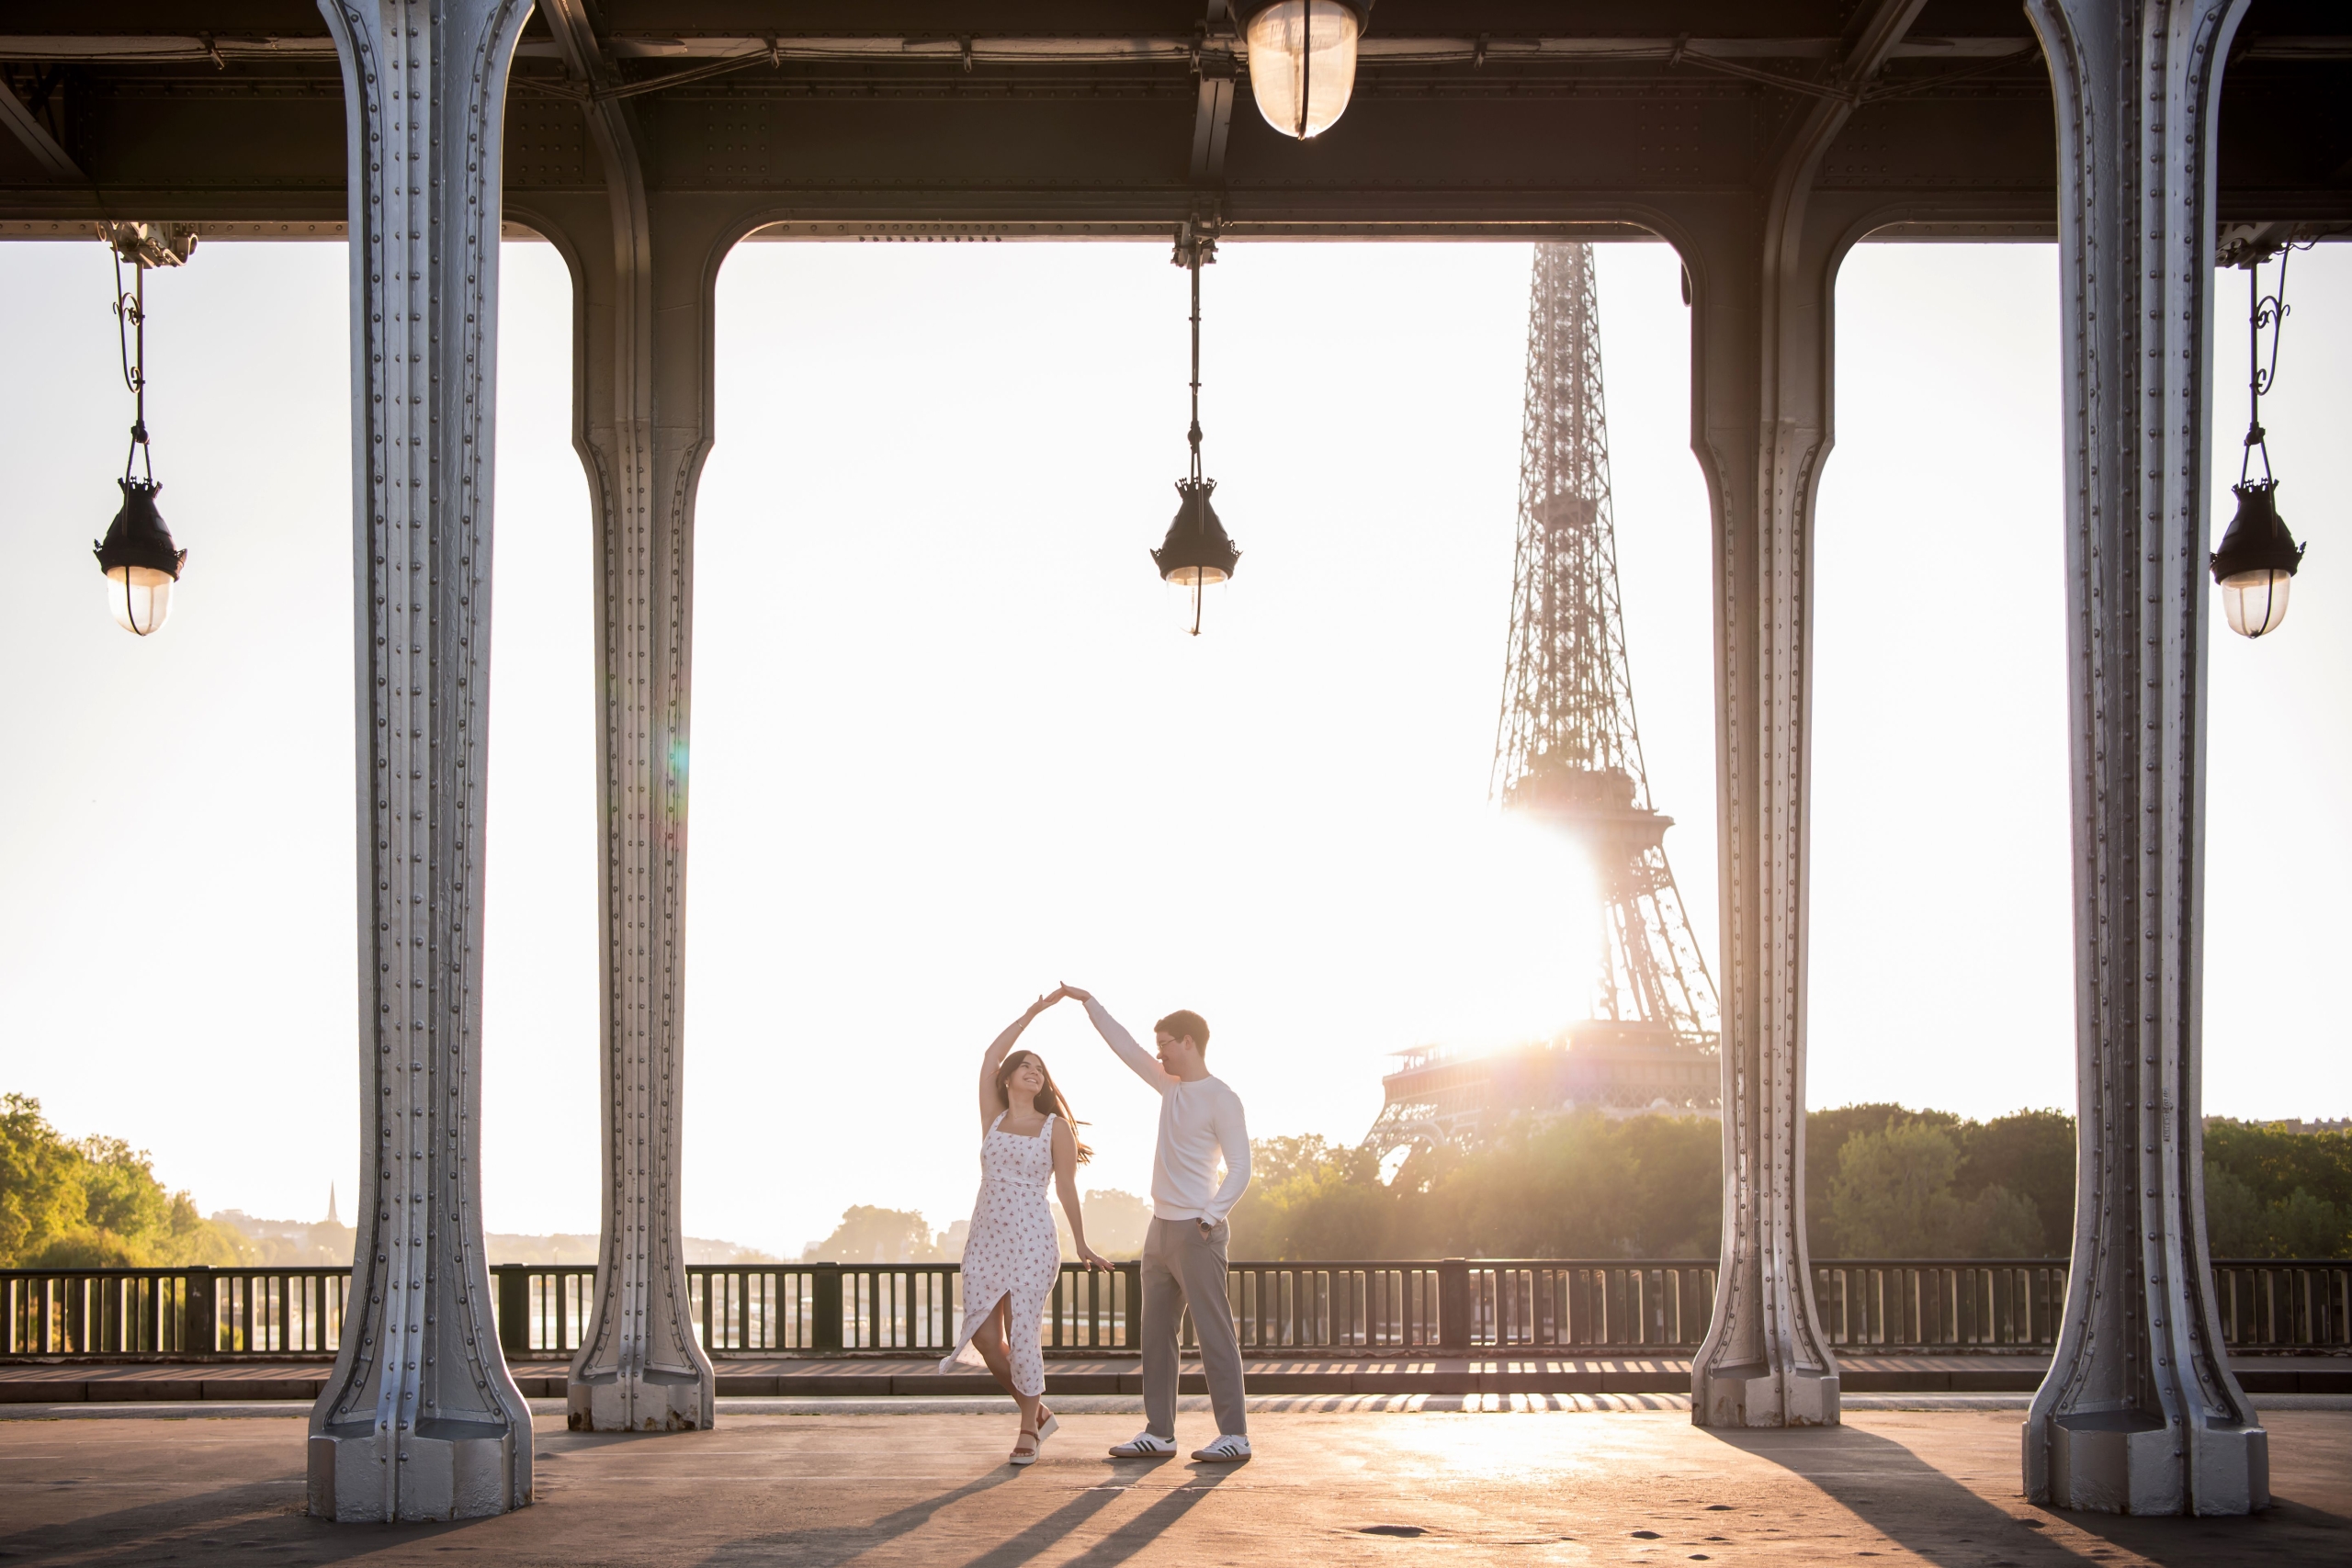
pixel 1376 1486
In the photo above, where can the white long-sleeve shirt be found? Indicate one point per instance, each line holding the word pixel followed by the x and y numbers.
pixel 1197 1122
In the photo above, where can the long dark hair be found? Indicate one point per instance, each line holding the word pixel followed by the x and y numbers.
pixel 1048 1099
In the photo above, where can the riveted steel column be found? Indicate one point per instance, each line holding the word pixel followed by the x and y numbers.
pixel 2140 1413
pixel 421 1419
pixel 644 363
pixel 1764 298
pixel 1760 380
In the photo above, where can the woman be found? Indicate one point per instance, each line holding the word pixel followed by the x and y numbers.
pixel 1012 1258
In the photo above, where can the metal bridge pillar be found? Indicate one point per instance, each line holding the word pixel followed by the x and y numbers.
pixel 1760 383
pixel 2140 1413
pixel 1763 273
pixel 421 1419
pixel 644 271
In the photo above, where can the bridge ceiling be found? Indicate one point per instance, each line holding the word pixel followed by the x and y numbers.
pixel 1078 117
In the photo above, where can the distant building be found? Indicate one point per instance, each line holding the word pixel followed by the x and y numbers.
pixel 1438 1096
pixel 1568 756
pixel 2341 1124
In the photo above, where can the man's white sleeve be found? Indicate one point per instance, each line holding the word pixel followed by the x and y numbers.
pixel 1233 1137
pixel 1146 1065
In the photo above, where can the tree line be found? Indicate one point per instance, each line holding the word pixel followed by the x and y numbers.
pixel 92 1202
pixel 1881 1181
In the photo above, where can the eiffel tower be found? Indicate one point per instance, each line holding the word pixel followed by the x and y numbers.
pixel 1568 753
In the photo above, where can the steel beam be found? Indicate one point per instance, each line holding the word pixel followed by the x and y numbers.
pixel 643 362
pixel 1212 116
pixel 421 1419
pixel 1113 44
pixel 27 128
pixel 1764 296
pixel 2140 1413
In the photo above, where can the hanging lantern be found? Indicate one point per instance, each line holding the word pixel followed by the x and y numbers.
pixel 2257 561
pixel 138 557
pixel 1303 61
pixel 2255 565
pixel 1196 556
pixel 139 561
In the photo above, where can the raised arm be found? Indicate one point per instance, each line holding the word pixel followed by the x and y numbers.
pixel 1146 1065
pixel 991 1103
pixel 1233 1137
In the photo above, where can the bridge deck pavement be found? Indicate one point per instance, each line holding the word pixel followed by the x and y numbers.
pixel 1381 1489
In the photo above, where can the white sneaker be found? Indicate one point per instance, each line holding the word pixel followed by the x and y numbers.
pixel 1230 1447
pixel 1145 1445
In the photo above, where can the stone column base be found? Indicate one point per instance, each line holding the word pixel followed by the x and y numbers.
pixel 446 1470
pixel 1755 1396
pixel 2124 1463
pixel 648 1401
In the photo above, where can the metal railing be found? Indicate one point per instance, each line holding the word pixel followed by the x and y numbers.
pixel 160 1312
pixel 1453 1306
pixel 1940 1304
pixel 1463 1305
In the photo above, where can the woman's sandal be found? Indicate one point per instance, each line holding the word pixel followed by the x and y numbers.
pixel 1028 1455
pixel 1049 1426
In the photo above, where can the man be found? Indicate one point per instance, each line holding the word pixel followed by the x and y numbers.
pixel 1184 1254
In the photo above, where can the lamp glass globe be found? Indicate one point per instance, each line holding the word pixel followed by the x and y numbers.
pixel 1191 588
pixel 2256 602
pixel 1303 51
pixel 140 598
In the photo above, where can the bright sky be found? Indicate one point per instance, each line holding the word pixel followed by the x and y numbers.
pixel 949 747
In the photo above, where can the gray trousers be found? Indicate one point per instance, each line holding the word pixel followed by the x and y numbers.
pixel 1184 1266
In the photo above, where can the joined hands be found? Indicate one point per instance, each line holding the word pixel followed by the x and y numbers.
pixel 1050 998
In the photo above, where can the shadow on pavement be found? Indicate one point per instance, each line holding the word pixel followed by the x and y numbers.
pixel 1149 1526
pixel 841 1543
pixel 823 1547
pixel 1893 1490
pixel 224 1525
pixel 2287 1531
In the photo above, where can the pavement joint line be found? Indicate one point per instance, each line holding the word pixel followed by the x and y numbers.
pixel 1123 1405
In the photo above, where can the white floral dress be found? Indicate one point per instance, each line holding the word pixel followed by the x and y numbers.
pixel 1012 1251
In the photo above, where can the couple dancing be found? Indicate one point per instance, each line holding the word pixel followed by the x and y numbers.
pixel 1013 1256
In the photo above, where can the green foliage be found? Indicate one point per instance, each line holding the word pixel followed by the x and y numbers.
pixel 1884 1181
pixel 2235 1223
pixel 2272 1193
pixel 93 1203
pixel 1895 1195
pixel 2032 1155
pixel 1578 1186
pixel 40 1188
pixel 1891 1196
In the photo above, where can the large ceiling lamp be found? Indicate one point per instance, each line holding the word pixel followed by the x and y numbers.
pixel 1196 556
pixel 138 557
pixel 1303 60
pixel 2257 563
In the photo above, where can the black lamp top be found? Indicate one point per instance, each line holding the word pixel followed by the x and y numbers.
pixel 1195 538
pixel 2256 538
pixel 137 537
